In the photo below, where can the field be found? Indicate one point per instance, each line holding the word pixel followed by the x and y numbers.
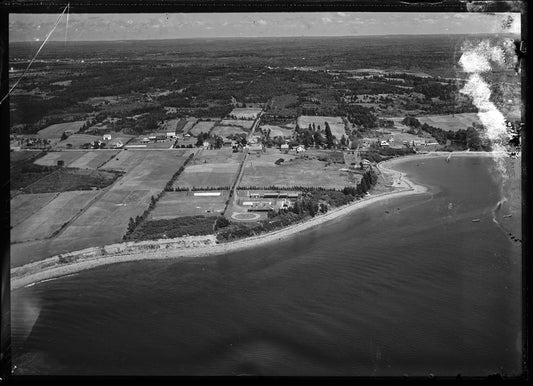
pixel 55 131
pixel 261 171
pixel 245 124
pixel 25 205
pixel 148 173
pixel 202 127
pixel 77 159
pixel 277 131
pixel 336 124
pixel 51 158
pixel 76 140
pixel 190 123
pixel 45 221
pixel 245 112
pixel 178 204
pixel 63 180
pixel 210 168
pixel 225 131
pixel 450 122
pixel 127 160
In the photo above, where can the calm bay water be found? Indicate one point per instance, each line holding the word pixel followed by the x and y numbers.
pixel 407 286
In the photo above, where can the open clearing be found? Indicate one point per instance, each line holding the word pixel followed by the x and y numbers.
pixel 245 124
pixel 76 140
pixel 128 197
pixel 225 131
pixel 179 204
pixel 202 127
pixel 210 168
pixel 91 159
pixel 23 206
pixel 450 122
pixel 261 171
pixel 43 223
pixel 127 160
pixel 55 131
pixel 277 131
pixel 336 124
pixel 51 158
pixel 245 112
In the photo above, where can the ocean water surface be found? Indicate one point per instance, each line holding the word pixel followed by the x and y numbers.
pixel 406 286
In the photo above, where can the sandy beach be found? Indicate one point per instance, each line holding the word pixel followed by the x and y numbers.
pixel 52 268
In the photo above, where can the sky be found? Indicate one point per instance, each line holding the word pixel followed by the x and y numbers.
pixel 32 27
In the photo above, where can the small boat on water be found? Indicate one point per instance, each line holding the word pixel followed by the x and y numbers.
pixel 508 215
pixel 448 158
pixel 476 220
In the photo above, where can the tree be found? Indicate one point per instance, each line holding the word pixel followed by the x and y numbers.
pixel 221 222
pixel 329 136
pixel 64 136
pixel 318 139
pixel 218 142
pixel 344 141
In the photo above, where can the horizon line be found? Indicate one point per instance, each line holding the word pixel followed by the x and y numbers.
pixel 269 37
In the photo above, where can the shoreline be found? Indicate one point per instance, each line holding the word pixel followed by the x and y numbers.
pixel 34 273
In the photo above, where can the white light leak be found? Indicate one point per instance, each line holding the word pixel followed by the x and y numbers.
pixel 481 58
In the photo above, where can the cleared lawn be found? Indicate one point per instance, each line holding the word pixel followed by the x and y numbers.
pixel 262 172
pixel 43 223
pixel 179 204
pixel 225 131
pixel 55 131
pixel 451 122
pixel 245 112
pixel 25 205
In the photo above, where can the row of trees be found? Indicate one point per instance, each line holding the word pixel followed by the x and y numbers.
pixel 460 139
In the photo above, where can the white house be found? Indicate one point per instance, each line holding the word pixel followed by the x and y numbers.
pixel 107 137
pixel 284 146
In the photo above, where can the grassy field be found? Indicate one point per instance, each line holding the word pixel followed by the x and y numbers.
pixel 24 206
pixel 179 204
pixel 94 159
pixel 450 122
pixel 336 124
pixel 277 131
pixel 23 172
pixel 76 140
pixel 45 221
pixel 225 131
pixel 64 179
pixel 51 158
pixel 202 127
pixel 210 168
pixel 261 171
pixel 148 173
pixel 55 131
pixel 127 160
pixel 245 124
pixel 82 159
